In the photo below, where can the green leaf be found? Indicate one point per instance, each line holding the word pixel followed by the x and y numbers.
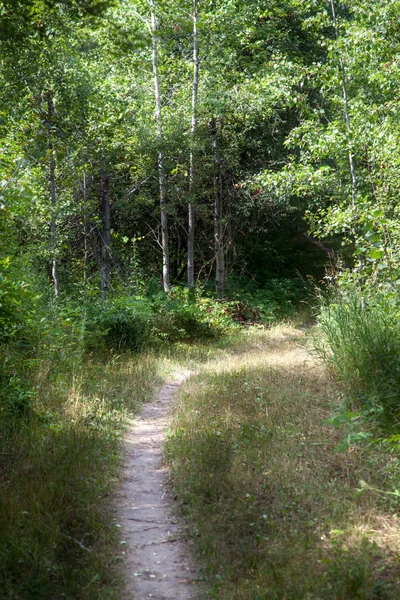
pixel 373 237
pixel 376 253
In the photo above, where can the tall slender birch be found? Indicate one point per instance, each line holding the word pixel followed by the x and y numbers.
pixel 192 212
pixel 106 233
pixel 85 233
pixel 346 113
pixel 53 190
pixel 350 132
pixel 161 170
pixel 218 214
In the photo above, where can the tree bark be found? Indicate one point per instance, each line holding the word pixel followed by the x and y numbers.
pixel 218 215
pixel 161 170
pixel 53 192
pixel 85 234
pixel 106 235
pixel 346 114
pixel 192 212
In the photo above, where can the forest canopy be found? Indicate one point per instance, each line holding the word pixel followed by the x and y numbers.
pixel 214 145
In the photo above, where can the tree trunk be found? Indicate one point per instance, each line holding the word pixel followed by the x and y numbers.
pixel 192 214
pixel 218 215
pixel 53 192
pixel 350 149
pixel 85 234
pixel 161 171
pixel 346 115
pixel 106 235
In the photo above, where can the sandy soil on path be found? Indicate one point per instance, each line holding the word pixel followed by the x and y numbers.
pixel 158 561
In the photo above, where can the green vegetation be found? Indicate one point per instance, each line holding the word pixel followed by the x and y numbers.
pixel 276 511
pixel 62 422
pixel 175 178
pixel 361 340
pixel 60 459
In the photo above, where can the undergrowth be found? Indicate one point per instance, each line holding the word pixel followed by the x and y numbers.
pixel 68 380
pixel 361 343
pixel 70 374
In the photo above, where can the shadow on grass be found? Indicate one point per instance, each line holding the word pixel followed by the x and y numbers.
pixel 276 512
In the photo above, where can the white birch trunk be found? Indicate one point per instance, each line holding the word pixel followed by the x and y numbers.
pixel 53 192
pixel 192 214
pixel 85 234
pixel 106 235
pixel 350 149
pixel 346 115
pixel 218 215
pixel 161 171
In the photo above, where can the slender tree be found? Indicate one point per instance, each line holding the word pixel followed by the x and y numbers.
pixel 192 214
pixel 49 96
pixel 350 135
pixel 346 113
pixel 106 233
pixel 161 168
pixel 218 214
pixel 85 233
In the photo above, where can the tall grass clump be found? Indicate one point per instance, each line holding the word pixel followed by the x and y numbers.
pixel 362 336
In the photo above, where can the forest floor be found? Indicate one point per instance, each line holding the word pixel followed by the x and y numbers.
pixel 252 476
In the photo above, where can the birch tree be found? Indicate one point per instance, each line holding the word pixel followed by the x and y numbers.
pixel 346 113
pixel 161 169
pixel 49 98
pixel 106 233
pixel 218 214
pixel 192 215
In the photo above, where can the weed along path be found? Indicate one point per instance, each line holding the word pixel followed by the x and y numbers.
pixel 157 558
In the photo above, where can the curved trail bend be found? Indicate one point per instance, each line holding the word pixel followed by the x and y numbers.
pixel 158 561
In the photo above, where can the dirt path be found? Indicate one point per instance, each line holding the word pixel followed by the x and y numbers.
pixel 158 562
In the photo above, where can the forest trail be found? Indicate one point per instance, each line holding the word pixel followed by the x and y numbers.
pixel 157 558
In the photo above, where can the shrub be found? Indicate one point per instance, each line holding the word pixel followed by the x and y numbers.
pixel 363 337
pixel 182 317
pixel 15 397
pixel 278 299
pixel 119 324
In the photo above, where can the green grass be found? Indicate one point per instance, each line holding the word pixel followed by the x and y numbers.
pixel 277 513
pixel 59 471
pixel 361 342
pixel 60 463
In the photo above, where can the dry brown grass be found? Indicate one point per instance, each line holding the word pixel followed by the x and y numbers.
pixel 276 511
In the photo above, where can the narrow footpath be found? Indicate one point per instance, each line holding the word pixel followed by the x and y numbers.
pixel 158 560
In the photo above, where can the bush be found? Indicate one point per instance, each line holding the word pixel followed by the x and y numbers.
pixel 181 317
pixel 20 332
pixel 129 323
pixel 15 397
pixel 363 337
pixel 122 324
pixel 278 299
